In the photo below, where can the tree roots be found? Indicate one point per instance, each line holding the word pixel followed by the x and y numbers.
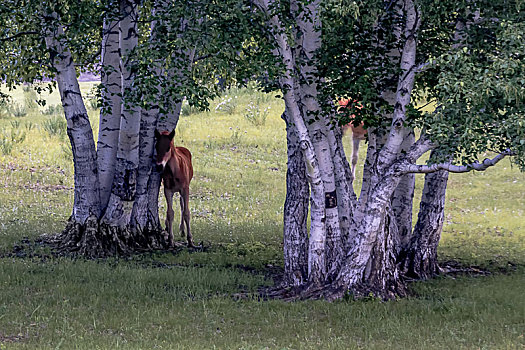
pixel 335 291
pixel 94 239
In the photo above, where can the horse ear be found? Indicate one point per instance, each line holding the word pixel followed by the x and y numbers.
pixel 172 134
pixel 157 134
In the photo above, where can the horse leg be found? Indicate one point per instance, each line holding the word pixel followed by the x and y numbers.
pixel 169 214
pixel 355 154
pixel 185 213
pixel 181 227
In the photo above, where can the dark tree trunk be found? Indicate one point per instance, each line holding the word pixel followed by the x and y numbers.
pixel 418 259
pixel 295 235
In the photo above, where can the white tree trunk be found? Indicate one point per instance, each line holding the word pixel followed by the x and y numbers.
pixel 316 249
pixel 86 198
pixel 370 265
pixel 118 212
pixel 402 200
pixel 110 112
pixel 145 219
pixel 82 227
pixel 295 235
pixel 346 197
pixel 418 258
pixel 309 42
pixel 393 145
pixel 145 214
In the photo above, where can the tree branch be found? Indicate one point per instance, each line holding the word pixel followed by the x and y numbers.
pixel 420 147
pixel 486 163
pixel 17 35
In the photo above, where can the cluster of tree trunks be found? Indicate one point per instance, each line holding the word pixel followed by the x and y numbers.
pixel 362 245
pixel 115 208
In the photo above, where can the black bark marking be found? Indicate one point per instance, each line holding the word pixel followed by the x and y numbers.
pixel 79 119
pixel 72 92
pixel 330 199
pixel 131 34
pixel 125 180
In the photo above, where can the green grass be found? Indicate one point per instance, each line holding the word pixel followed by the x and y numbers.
pixel 188 300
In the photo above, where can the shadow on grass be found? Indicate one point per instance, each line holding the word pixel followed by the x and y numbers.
pixel 255 259
pixel 252 258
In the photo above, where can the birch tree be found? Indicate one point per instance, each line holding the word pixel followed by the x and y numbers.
pixel 386 58
pixel 386 54
pixel 115 208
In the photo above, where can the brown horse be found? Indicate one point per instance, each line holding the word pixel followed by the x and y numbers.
pixel 358 134
pixel 177 172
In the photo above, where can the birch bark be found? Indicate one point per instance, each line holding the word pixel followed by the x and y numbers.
pixel 118 212
pixel 86 198
pixel 346 197
pixel 418 259
pixel 316 248
pixel 370 264
pixel 110 113
pixel 309 42
pixel 145 214
pixel 83 223
pixel 295 235
pixel 404 87
pixel 403 197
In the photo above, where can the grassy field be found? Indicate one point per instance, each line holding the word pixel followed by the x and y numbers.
pixel 187 300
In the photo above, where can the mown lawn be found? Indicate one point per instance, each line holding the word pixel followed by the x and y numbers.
pixel 190 299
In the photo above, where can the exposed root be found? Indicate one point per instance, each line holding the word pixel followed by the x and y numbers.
pixel 337 290
pixel 96 240
pixel 454 268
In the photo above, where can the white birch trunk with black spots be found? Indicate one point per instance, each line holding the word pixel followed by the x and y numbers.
pixel 295 235
pixel 346 197
pixel 82 227
pixel 418 259
pixel 403 197
pixel 86 198
pixel 370 264
pixel 310 42
pixel 111 106
pixel 316 247
pixel 123 191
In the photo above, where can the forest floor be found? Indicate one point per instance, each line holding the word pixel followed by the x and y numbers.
pixel 209 298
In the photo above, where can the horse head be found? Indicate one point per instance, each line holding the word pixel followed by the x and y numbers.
pixel 163 142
